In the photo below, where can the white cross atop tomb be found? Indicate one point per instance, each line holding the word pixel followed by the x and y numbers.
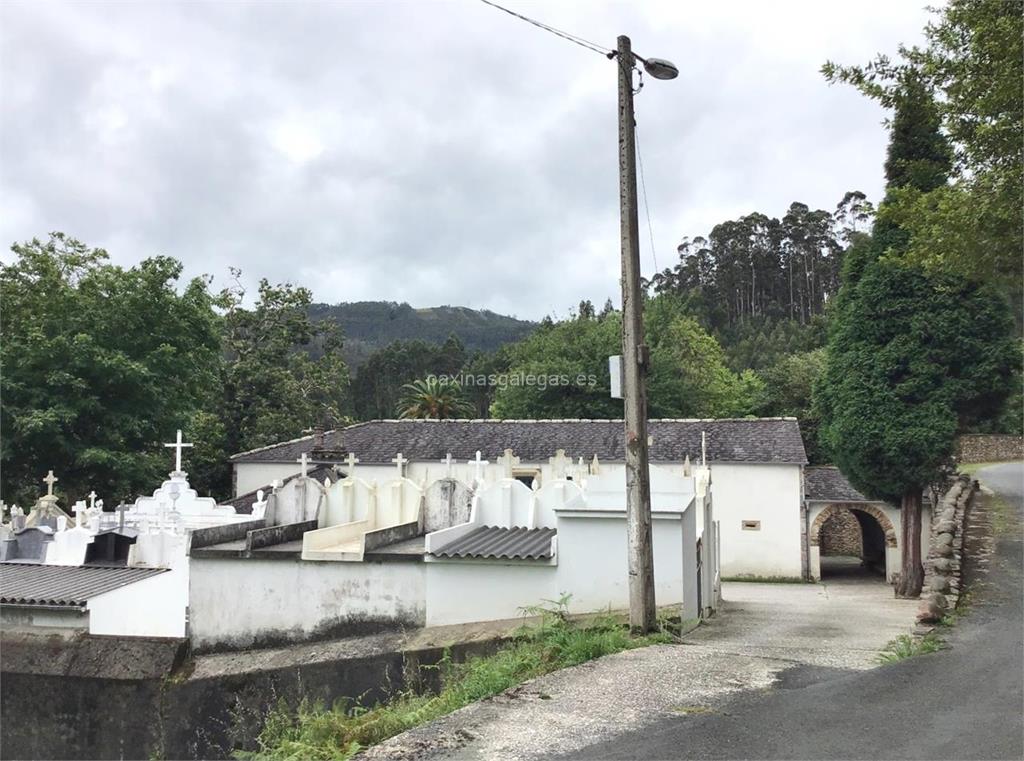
pixel 400 462
pixel 447 462
pixel 478 467
pixel 177 446
pixel 304 463
pixel 508 461
pixel 350 462
pixel 50 480
pixel 559 464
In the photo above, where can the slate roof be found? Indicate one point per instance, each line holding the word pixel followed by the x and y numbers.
pixel 64 585
pixel 243 502
pixel 500 543
pixel 825 483
pixel 760 440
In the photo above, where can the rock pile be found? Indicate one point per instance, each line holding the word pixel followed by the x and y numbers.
pixel 942 566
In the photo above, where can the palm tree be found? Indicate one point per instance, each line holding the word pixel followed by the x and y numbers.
pixel 430 399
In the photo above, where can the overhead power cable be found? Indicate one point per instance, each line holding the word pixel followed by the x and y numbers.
pixel 564 35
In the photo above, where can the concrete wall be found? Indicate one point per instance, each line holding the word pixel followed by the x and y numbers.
pixel 990 447
pixel 770 495
pixel 152 607
pixel 591 567
pixel 239 603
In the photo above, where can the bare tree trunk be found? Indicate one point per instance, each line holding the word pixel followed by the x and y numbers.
pixel 912 573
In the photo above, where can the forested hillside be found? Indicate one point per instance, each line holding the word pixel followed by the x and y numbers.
pixel 370 325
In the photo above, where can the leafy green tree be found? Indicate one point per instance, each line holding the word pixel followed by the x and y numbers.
pixel 974 58
pixel 273 389
pixel 100 365
pixel 561 371
pixel 912 358
pixel 378 385
pixel 789 385
pixel 689 376
pixel 432 399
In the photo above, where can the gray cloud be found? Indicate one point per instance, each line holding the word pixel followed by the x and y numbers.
pixel 437 152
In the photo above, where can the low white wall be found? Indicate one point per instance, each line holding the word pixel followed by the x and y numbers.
pixel 152 607
pixel 770 494
pixel 591 566
pixel 236 602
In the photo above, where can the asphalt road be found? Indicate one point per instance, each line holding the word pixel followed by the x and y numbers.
pixel 965 702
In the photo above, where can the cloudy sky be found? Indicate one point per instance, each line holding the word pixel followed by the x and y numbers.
pixel 437 152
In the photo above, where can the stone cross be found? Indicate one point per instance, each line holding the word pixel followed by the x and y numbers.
pixel 559 463
pixel 400 462
pixel 79 509
pixel 50 480
pixel 478 465
pixel 447 462
pixel 351 461
pixel 92 498
pixel 177 446
pixel 304 462
pixel 508 461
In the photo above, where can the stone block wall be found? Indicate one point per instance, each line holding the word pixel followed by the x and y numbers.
pixel 989 447
pixel 943 564
pixel 840 535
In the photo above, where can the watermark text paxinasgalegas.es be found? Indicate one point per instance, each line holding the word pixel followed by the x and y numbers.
pixel 515 379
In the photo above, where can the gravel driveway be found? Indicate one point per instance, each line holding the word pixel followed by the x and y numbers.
pixel 764 630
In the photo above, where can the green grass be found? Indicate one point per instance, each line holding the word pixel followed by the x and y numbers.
pixel 906 646
pixel 972 468
pixel 318 733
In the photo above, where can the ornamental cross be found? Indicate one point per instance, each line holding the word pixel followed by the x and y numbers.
pixel 559 463
pixel 447 462
pixel 478 465
pixel 304 462
pixel 177 446
pixel 400 462
pixel 351 462
pixel 50 480
pixel 508 461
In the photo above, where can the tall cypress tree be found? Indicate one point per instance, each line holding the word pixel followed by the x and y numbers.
pixel 912 359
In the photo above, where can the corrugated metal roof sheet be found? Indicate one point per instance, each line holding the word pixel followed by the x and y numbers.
pixel 761 440
pixel 499 542
pixel 64 585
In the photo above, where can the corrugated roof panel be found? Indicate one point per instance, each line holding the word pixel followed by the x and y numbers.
pixel 501 543
pixel 64 585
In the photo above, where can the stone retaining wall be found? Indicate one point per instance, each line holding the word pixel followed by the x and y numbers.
pixel 943 564
pixel 989 447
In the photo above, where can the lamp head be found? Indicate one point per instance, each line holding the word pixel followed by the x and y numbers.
pixel 659 68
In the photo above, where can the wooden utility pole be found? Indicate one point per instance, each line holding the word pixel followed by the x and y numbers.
pixel 642 611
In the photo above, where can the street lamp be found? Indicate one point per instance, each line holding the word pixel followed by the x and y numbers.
pixel 635 354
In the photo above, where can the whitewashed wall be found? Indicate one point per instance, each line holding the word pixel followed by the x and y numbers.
pixel 151 607
pixel 591 566
pixel 771 494
pixel 241 602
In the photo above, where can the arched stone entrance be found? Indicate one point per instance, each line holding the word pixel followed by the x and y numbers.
pixel 833 530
